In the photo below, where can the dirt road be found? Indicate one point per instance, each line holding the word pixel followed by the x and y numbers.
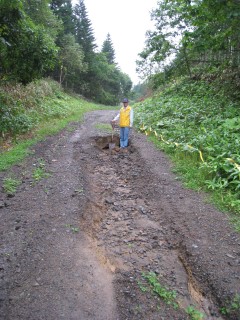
pixel 80 243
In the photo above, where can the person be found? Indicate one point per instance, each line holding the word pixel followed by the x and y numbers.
pixel 125 117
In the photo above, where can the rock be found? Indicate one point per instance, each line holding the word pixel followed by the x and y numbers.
pixel 2 204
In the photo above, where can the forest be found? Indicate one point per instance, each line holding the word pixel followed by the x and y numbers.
pixel 55 39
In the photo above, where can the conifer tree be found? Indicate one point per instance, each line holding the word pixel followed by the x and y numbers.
pixel 64 11
pixel 108 50
pixel 85 38
pixel 83 30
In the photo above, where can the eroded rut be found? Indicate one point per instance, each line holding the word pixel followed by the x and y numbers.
pixel 86 235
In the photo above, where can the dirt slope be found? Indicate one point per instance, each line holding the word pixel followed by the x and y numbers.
pixel 74 245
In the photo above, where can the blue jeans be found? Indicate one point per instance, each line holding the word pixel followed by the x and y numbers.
pixel 124 133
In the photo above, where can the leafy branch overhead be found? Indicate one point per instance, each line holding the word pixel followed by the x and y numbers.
pixel 189 32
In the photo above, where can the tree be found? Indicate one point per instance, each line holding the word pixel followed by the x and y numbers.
pixel 110 84
pixel 83 31
pixel 64 11
pixel 71 61
pixel 41 14
pixel 85 38
pixel 190 32
pixel 108 50
pixel 27 51
pixel 125 85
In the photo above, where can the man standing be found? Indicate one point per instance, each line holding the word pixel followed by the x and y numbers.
pixel 125 117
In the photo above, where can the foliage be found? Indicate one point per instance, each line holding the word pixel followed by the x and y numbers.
pixel 40 14
pixel 233 308
pixel 27 51
pixel 72 228
pixel 84 32
pixel 10 185
pixel 49 109
pixel 13 119
pixel 194 118
pixel 39 172
pixel 64 11
pixel 141 91
pixel 190 33
pixel 108 49
pixel 53 38
pixel 71 61
pixel 22 107
pixel 194 314
pixel 110 84
pixel 167 295
pixel 153 285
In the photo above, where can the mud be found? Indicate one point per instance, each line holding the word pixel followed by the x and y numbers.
pixel 76 244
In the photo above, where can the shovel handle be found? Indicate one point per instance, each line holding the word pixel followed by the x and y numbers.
pixel 113 124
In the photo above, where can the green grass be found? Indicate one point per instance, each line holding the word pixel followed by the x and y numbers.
pixel 104 127
pixel 20 148
pixel 198 125
pixel 233 307
pixel 10 185
pixel 72 228
pixel 39 174
pixel 189 170
pixel 16 154
pixel 194 314
pixel 165 294
pixel 152 284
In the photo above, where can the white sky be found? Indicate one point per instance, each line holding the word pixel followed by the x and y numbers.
pixel 127 22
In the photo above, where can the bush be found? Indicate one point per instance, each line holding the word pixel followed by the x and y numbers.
pixel 23 107
pixel 196 117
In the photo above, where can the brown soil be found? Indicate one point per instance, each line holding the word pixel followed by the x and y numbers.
pixel 75 245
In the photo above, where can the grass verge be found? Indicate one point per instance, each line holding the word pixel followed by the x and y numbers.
pixel 193 176
pixel 20 148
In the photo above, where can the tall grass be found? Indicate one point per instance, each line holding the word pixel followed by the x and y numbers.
pixel 44 108
pixel 199 128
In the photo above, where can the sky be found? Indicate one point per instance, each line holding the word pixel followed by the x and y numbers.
pixel 127 22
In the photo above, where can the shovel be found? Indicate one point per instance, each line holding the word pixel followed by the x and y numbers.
pixel 112 144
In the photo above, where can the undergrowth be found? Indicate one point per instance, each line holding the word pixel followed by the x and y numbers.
pixel 152 284
pixel 198 126
pixel 30 113
pixel 10 185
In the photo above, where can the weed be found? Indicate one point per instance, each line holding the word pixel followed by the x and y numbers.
pixel 201 135
pixel 10 185
pixel 79 191
pixel 46 190
pixel 194 314
pixel 233 307
pixel 138 309
pixel 72 228
pixel 39 173
pixel 142 287
pixel 167 295
pixel 130 245
pixel 47 123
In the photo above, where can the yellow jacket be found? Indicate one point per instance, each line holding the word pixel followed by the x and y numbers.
pixel 125 117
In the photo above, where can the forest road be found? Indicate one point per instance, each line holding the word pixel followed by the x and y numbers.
pixel 86 229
